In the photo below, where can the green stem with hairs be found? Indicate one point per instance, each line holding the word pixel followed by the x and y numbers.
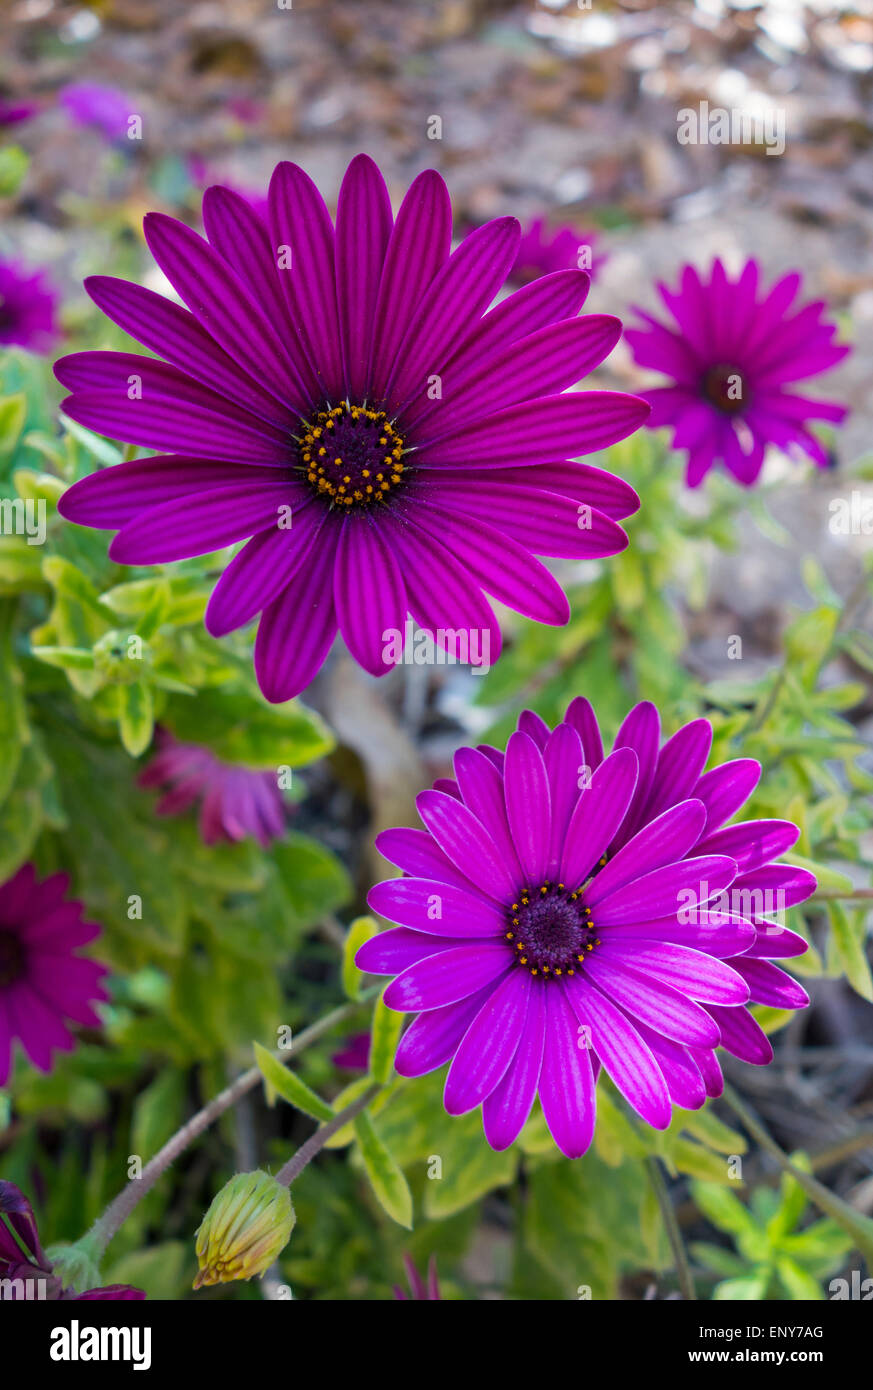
pixel 120 1208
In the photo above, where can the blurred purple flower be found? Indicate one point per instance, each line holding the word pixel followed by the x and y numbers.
pixel 106 108
pixel 235 801
pixel 593 911
pixel 25 1265
pixel 202 176
pixel 41 980
pixel 355 1055
pixel 418 1291
pixel 542 251
pixel 28 308
pixel 733 354
pixel 13 111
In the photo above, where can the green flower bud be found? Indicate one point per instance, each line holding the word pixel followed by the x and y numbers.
pixel 245 1228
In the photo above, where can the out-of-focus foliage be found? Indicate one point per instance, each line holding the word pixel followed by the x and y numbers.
pixel 776 1255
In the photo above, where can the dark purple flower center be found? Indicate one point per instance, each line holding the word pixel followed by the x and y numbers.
pixel 724 387
pixel 12 958
pixel 352 455
pixel 550 930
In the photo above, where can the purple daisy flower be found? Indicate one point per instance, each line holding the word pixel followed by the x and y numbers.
pixel 28 308
pixel 14 112
pixel 564 911
pixel 352 378
pixel 734 353
pixel 419 1292
pixel 42 981
pixel 24 1263
pixel 106 108
pixel 201 175
pixel 355 1053
pixel 235 801
pixel 543 250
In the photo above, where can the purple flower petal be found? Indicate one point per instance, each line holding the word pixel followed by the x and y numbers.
pixel 448 976
pixel 567 1080
pixel 528 806
pixel 439 908
pixel 466 842
pixel 489 1044
pixel 599 812
pixel 624 1053
pixel 506 1108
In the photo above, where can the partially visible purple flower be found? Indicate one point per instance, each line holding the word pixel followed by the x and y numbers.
pixel 544 250
pixel 26 1267
pixel 355 1055
pixel 106 108
pixel 419 1292
pixel 354 378
pixel 202 175
pixel 28 308
pixel 42 981
pixel 14 111
pixel 734 352
pixel 235 802
pixel 565 911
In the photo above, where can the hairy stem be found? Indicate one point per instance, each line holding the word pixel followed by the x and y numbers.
pixel 119 1209
pixel 295 1165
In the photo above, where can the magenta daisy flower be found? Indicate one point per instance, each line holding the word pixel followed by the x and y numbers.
pixel 563 911
pixel 42 981
pixel 235 802
pixel 351 379
pixel 735 351
pixel 543 250
pixel 105 108
pixel 14 112
pixel 27 1268
pixel 355 1053
pixel 28 308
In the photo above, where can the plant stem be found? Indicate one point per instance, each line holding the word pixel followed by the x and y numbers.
pixel 295 1165
pixel 674 1235
pixel 119 1209
pixel 859 1227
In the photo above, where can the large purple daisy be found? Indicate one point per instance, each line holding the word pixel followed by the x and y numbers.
pixel 735 350
pixel 235 802
pixel 42 981
pixel 28 308
pixel 564 911
pixel 24 1265
pixel 352 380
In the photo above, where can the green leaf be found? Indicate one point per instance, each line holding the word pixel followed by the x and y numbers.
pixel 469 1167
pixel 360 931
pixel 849 937
pixel 136 717
pixel 278 1080
pixel 752 1289
pixel 157 1113
pixel 386 1178
pixel 13 413
pixel 386 1029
